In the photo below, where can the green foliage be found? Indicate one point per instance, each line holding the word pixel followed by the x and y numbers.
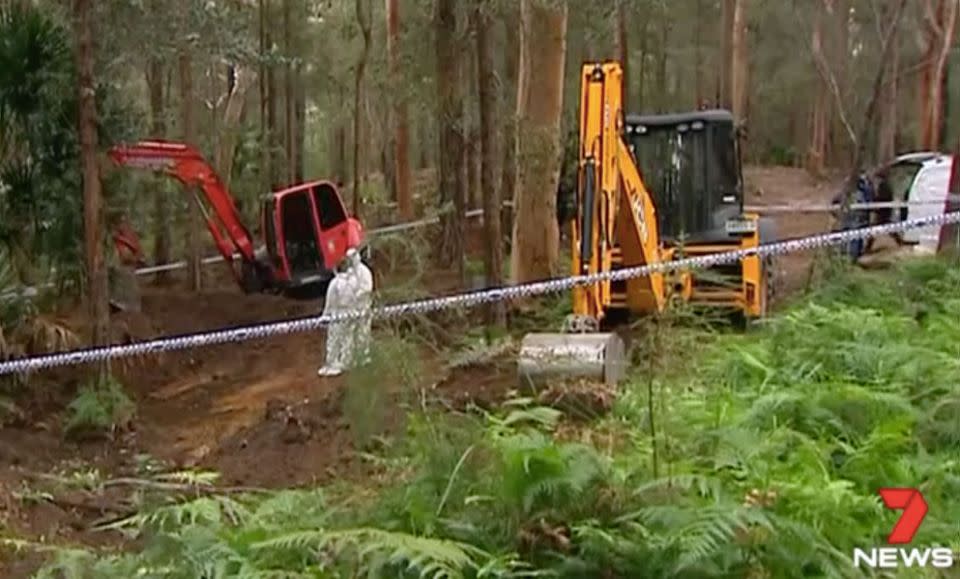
pixel 287 534
pixel 40 195
pixel 387 378
pixel 773 447
pixel 99 407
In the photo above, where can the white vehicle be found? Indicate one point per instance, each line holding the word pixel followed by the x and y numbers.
pixel 922 178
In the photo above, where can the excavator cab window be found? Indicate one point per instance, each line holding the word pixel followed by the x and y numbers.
pixel 689 164
pixel 299 235
pixel 329 205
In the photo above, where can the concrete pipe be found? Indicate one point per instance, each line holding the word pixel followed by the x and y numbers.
pixel 600 357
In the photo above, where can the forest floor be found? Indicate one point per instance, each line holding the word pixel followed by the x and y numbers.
pixel 255 412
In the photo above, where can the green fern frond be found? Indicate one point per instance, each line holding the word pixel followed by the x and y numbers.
pixel 189 477
pixel 706 486
pixel 714 530
pixel 377 548
pixel 213 511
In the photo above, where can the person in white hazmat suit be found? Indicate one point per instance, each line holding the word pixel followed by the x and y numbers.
pixel 350 289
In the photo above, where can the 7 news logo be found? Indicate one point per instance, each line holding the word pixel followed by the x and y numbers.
pixel 914 508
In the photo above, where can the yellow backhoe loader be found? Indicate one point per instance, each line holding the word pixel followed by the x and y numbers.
pixel 650 189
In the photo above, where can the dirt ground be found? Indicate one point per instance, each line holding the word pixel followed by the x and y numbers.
pixel 781 186
pixel 255 412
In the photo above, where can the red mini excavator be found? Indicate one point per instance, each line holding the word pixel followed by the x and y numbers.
pixel 305 227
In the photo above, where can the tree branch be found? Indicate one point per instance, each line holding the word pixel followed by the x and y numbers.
pixel 828 77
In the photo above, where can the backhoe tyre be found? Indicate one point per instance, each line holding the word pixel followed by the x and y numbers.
pixel 771 276
pixel 772 279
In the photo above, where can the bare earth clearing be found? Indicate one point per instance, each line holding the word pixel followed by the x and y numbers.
pixel 256 412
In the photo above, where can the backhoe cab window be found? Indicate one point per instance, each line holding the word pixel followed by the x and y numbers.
pixel 690 168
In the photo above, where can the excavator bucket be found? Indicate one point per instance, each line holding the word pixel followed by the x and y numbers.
pixel 599 357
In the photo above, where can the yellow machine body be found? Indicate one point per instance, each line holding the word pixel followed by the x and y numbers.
pixel 616 222
pixel 616 226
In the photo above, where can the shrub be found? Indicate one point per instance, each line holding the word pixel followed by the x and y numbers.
pixel 99 408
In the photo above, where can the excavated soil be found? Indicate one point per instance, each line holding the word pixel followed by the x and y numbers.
pixel 256 411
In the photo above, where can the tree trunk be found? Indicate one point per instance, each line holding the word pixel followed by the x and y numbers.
pixel 861 140
pixel 274 142
pixel 623 49
pixel 939 27
pixel 473 153
pixel 889 113
pixel 950 234
pixel 340 143
pixel 190 137
pixel 265 180
pixel 450 99
pixel 97 296
pixel 161 204
pixel 535 249
pixel 699 98
pixel 642 84
pixel 727 36
pixel 740 67
pixel 231 123
pixel 401 129
pixel 946 105
pixel 363 20
pixel 489 156
pixel 301 127
pixel 840 58
pixel 425 144
pixel 508 106
pixel 817 152
pixel 664 103
pixel 289 95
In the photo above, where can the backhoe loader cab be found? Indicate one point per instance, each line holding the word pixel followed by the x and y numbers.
pixel 690 164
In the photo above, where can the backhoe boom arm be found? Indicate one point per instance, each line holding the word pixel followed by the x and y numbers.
pixel 616 223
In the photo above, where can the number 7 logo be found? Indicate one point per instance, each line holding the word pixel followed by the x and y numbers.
pixel 914 510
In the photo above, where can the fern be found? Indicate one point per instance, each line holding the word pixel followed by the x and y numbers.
pixel 379 550
pixel 771 448
pixel 713 531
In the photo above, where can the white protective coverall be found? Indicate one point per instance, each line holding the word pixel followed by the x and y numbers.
pixel 350 289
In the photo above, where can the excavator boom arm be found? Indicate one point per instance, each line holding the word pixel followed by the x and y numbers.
pixel 188 166
pixel 616 223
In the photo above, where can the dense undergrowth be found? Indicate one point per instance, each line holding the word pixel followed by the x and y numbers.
pixel 763 461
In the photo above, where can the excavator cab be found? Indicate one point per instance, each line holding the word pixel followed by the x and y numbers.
pixel 690 163
pixel 307 231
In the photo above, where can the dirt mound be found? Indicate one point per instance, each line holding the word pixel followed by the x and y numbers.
pixel 295 443
pixel 483 385
pixel 310 440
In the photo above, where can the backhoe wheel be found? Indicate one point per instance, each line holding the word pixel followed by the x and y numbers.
pixel 772 279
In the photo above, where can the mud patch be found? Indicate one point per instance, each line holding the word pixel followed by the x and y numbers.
pixel 294 444
pixel 485 385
